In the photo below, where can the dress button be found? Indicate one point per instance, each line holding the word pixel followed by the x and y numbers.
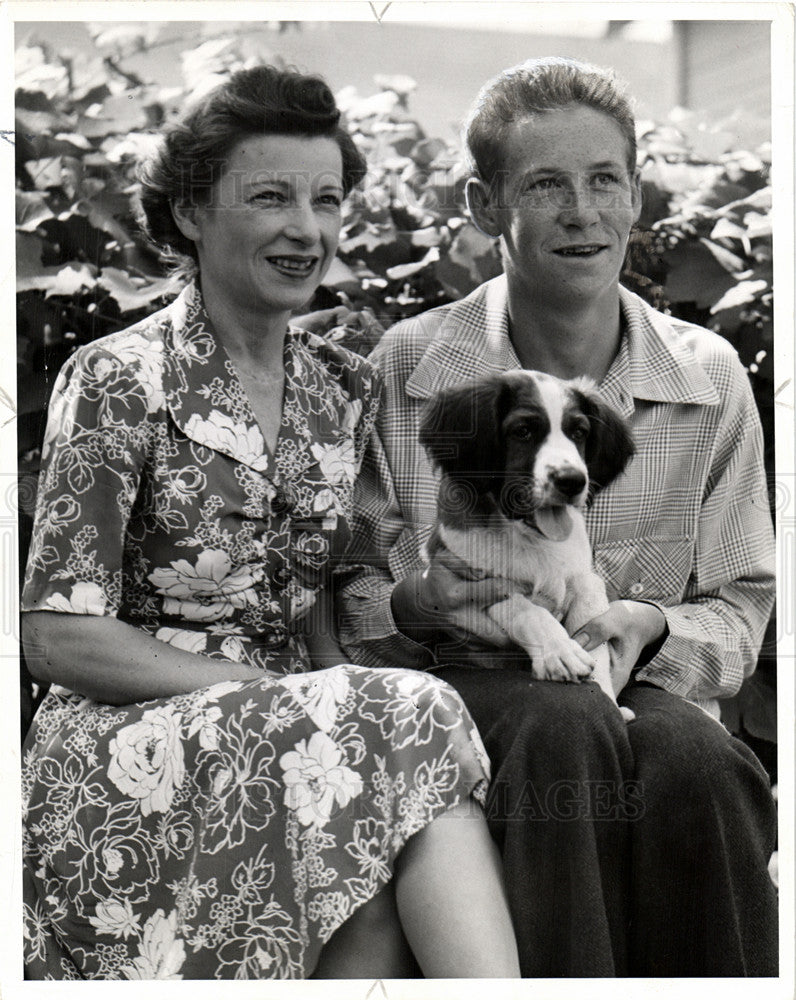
pixel 282 500
pixel 636 589
pixel 280 578
pixel 276 638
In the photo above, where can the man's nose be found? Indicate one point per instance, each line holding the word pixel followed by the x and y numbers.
pixel 579 207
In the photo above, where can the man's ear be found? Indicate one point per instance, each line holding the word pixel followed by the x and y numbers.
pixel 480 204
pixel 184 216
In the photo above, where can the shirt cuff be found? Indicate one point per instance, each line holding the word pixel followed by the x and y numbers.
pixel 652 649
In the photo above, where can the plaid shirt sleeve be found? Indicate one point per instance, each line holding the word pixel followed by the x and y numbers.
pixel 715 630
pixel 394 511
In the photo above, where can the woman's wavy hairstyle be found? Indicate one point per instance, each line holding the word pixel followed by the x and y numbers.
pixel 193 151
pixel 531 88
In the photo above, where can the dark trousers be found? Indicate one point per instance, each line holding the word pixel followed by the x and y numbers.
pixel 629 850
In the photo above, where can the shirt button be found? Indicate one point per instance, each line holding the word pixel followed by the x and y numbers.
pixel 636 589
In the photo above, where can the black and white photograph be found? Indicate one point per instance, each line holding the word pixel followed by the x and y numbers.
pixel 397 507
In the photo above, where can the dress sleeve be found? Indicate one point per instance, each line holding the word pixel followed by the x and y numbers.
pixel 93 453
pixel 714 635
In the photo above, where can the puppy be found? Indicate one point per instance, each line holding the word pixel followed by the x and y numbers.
pixel 520 453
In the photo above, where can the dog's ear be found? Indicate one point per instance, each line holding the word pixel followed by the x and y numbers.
pixel 609 446
pixel 461 431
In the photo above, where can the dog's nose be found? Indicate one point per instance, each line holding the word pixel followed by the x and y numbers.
pixel 569 482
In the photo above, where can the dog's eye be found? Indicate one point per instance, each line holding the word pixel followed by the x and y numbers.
pixel 521 432
pixel 579 434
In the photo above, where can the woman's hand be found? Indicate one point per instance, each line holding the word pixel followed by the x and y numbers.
pixel 424 603
pixel 627 626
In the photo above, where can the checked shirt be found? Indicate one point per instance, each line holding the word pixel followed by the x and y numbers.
pixel 687 527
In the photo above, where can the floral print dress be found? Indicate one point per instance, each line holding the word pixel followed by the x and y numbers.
pixel 226 833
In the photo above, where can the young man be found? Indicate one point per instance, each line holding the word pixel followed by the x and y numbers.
pixel 637 849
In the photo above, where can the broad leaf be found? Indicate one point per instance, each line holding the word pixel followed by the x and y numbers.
pixel 401 271
pixel 341 277
pixel 119 114
pixel 694 275
pixel 71 279
pixel 31 273
pixel 47 172
pixel 33 72
pixel 472 259
pixel 31 210
pixel 729 261
pixel 740 295
pixel 133 294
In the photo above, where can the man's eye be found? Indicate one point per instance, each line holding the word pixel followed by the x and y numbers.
pixel 605 179
pixel 545 184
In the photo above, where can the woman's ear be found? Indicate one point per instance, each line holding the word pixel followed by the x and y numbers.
pixel 481 209
pixel 185 219
pixel 636 196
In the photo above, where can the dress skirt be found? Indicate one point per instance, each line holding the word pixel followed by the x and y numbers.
pixel 227 833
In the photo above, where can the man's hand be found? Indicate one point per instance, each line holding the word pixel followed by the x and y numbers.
pixel 424 603
pixel 627 627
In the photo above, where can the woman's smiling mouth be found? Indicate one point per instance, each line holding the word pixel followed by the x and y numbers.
pixel 293 266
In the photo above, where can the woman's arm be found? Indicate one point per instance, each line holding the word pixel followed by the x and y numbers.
pixel 320 633
pixel 113 662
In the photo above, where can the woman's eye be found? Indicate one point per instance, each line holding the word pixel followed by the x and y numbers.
pixel 269 198
pixel 331 199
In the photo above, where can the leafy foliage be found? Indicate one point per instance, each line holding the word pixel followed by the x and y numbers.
pixel 702 250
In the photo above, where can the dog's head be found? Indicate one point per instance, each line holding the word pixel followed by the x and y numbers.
pixel 525 443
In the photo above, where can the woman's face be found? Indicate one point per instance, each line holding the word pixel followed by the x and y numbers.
pixel 269 232
pixel 566 204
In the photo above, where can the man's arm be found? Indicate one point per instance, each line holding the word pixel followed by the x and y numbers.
pixel 714 634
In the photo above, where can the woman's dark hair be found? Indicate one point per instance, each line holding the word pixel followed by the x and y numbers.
pixel 193 151
pixel 534 87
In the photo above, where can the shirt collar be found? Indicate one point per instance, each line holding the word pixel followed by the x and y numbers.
pixel 653 362
pixel 473 340
pixel 660 365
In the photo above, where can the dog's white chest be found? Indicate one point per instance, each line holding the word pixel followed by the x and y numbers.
pixel 539 568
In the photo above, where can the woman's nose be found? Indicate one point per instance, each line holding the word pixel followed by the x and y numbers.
pixel 302 224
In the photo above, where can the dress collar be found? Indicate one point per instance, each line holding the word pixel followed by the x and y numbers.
pixel 208 403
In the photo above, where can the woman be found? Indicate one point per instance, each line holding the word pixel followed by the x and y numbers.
pixel 198 805
pixel 644 847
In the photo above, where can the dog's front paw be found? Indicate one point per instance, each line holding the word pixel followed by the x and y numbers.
pixel 562 659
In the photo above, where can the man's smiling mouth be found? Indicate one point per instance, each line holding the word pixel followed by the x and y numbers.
pixel 581 250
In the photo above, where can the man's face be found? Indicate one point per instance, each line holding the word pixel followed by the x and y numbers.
pixel 564 204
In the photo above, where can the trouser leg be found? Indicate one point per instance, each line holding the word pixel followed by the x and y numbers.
pixel 560 805
pixel 702 903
